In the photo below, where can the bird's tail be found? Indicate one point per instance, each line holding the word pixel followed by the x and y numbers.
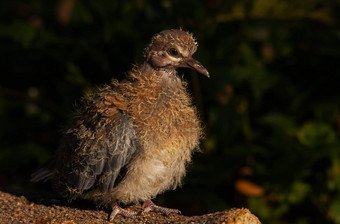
pixel 45 173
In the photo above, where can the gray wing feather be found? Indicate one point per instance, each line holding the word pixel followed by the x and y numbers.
pixel 94 153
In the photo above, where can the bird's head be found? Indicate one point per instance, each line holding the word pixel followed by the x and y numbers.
pixel 171 49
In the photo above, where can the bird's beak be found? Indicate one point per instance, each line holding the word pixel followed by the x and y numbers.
pixel 192 63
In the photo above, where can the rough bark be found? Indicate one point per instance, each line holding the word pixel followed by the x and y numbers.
pixel 41 208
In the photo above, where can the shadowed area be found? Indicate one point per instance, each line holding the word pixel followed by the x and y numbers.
pixel 270 108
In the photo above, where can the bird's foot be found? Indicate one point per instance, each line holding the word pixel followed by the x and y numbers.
pixel 149 206
pixel 116 210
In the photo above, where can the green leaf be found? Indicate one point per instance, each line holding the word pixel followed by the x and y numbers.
pixel 334 212
pixel 314 134
pixel 278 121
pixel 20 32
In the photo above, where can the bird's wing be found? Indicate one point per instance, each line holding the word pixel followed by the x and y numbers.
pixel 97 148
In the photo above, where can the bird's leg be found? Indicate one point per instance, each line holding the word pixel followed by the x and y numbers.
pixel 149 206
pixel 116 210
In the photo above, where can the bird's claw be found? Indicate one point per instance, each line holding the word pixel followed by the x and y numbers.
pixel 149 206
pixel 116 210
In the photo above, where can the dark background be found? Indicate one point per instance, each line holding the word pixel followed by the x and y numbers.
pixel 271 107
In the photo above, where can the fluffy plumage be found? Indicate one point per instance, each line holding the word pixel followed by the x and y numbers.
pixel 132 140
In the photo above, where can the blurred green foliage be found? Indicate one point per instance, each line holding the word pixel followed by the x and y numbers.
pixel 271 107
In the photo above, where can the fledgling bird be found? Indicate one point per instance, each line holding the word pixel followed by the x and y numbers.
pixel 132 140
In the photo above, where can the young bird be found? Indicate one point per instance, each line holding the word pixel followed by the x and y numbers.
pixel 132 140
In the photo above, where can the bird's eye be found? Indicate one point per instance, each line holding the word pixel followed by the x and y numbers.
pixel 173 52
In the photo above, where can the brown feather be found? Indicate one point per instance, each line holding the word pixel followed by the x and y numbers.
pixel 132 140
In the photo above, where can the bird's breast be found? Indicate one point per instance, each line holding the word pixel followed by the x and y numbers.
pixel 168 131
pixel 166 121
